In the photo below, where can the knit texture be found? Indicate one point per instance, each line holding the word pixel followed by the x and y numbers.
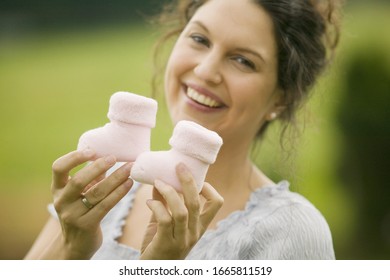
pixel 132 108
pixel 196 141
pixel 276 224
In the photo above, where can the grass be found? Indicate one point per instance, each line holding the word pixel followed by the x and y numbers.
pixel 53 87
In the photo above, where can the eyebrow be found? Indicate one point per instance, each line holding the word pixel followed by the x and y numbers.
pixel 250 51
pixel 200 24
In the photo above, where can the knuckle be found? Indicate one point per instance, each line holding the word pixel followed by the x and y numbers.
pixel 77 156
pixel 104 206
pixel 100 164
pixel 193 206
pixel 58 205
pixel 77 181
pixel 117 177
pixel 218 201
pixel 181 216
pixel 165 222
pixel 56 167
pixel 96 193
pixel 66 218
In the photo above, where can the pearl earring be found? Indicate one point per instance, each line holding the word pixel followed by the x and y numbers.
pixel 273 116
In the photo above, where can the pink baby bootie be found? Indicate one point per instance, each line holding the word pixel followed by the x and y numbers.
pixel 192 144
pixel 128 133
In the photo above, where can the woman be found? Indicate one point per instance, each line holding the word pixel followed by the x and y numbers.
pixel 236 66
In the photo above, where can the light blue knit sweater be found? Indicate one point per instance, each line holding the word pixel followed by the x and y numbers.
pixel 276 224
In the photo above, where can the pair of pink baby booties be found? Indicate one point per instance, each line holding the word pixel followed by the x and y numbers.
pixel 127 137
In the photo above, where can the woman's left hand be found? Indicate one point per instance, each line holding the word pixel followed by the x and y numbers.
pixel 178 222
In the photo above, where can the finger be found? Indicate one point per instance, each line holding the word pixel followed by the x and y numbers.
pixel 157 196
pixel 63 165
pixel 100 210
pixel 176 206
pixel 97 180
pixel 86 175
pixel 99 191
pixel 191 196
pixel 162 217
pixel 214 202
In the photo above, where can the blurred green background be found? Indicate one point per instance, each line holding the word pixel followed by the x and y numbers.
pixel 60 61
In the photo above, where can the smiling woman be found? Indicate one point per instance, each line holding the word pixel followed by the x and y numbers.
pixel 306 34
pixel 217 61
pixel 235 67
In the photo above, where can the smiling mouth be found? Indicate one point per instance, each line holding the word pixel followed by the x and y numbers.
pixel 202 99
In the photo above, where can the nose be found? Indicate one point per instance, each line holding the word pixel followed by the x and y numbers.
pixel 208 69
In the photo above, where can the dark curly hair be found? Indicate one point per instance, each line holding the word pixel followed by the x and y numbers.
pixel 307 33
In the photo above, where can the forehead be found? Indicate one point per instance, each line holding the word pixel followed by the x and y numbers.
pixel 239 21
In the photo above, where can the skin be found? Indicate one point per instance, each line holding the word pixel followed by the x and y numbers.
pixel 218 55
pixel 228 51
pixel 77 234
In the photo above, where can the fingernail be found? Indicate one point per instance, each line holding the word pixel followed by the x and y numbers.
pixel 88 152
pixel 157 182
pixel 181 167
pixel 127 168
pixel 128 183
pixel 110 160
pixel 149 202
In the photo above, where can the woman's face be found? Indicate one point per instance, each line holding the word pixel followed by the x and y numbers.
pixel 222 72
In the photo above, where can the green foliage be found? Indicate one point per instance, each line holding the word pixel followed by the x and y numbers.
pixel 47 13
pixel 55 87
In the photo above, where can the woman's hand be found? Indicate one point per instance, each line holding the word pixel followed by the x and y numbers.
pixel 177 222
pixel 80 220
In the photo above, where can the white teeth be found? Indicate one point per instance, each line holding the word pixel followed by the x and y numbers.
pixel 202 99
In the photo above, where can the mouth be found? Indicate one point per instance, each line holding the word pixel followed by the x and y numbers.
pixel 202 99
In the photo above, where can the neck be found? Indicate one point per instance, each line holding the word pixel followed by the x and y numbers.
pixel 234 176
pixel 234 173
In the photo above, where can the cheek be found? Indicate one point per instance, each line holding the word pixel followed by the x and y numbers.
pixel 250 94
pixel 175 68
pixel 180 56
pixel 253 100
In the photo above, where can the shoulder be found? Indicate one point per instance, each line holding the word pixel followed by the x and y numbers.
pixel 294 227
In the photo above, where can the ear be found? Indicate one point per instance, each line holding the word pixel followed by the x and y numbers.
pixel 278 106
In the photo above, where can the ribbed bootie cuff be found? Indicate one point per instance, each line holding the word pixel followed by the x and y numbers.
pixel 132 108
pixel 196 141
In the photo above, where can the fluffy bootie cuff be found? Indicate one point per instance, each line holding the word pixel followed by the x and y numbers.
pixel 128 133
pixel 132 108
pixel 196 141
pixel 192 144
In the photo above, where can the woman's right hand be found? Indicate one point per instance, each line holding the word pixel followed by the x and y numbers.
pixel 80 221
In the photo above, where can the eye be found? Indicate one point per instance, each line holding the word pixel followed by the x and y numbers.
pixel 248 64
pixel 200 39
